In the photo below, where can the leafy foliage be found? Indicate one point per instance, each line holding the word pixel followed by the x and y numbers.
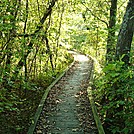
pixel 115 94
pixel 31 58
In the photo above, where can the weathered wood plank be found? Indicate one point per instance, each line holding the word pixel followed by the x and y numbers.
pixel 40 107
pixel 94 110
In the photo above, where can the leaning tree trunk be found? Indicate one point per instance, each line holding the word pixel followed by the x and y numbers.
pixel 125 36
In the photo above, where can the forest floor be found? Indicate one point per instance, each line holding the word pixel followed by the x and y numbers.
pixel 67 109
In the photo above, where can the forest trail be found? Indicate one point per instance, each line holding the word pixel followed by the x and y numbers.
pixel 67 109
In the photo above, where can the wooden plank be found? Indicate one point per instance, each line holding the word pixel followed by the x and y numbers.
pixel 40 107
pixel 94 110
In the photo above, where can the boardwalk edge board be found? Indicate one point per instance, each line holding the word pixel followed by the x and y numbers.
pixel 40 107
pixel 94 109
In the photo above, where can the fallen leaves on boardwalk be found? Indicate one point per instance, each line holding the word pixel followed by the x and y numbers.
pixel 85 113
pixel 82 109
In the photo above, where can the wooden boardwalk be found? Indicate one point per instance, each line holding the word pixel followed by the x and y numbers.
pixel 63 111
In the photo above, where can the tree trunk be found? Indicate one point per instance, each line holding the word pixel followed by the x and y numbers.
pixel 58 34
pixel 50 53
pixel 125 36
pixel 39 27
pixel 111 31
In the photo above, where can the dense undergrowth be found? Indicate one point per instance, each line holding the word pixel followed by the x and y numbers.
pixel 19 99
pixel 115 96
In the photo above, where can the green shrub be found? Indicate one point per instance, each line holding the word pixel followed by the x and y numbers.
pixel 115 93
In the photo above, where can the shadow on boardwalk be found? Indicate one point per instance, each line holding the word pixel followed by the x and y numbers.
pixel 67 108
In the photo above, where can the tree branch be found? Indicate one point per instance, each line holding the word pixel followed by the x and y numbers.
pixel 95 15
pixel 46 14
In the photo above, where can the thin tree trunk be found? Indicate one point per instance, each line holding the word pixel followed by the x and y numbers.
pixel 59 30
pixel 30 45
pixel 32 62
pixel 50 53
pixel 25 59
pixel 111 31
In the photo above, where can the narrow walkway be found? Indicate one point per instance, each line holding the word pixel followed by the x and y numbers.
pixel 60 114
